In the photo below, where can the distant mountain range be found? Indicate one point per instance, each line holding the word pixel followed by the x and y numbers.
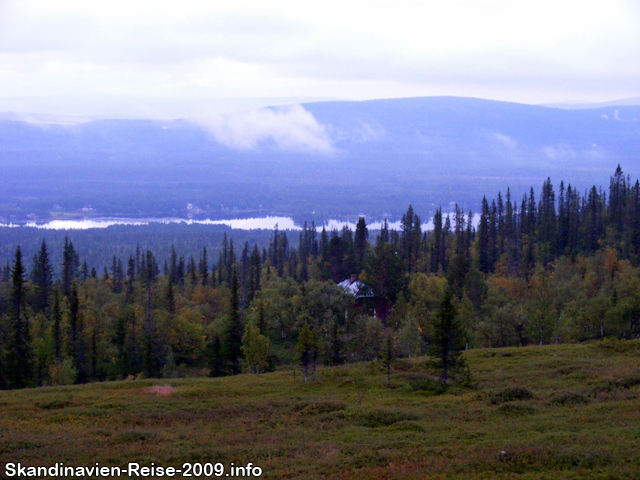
pixel 316 160
pixel 585 105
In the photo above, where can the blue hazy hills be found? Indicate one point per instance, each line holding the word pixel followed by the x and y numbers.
pixel 324 159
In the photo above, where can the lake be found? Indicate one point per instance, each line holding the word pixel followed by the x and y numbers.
pixel 256 223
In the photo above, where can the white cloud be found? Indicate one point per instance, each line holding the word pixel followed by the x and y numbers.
pixel 505 140
pixel 559 152
pixel 290 128
pixel 367 133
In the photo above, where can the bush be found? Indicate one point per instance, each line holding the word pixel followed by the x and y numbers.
pixel 55 405
pixel 383 418
pixel 616 345
pixel 630 381
pixel 516 409
pixel 568 398
pixel 321 407
pixel 426 385
pixel 63 373
pixel 511 394
pixel 133 436
pixel 625 383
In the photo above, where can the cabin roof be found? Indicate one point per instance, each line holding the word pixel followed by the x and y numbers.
pixel 355 287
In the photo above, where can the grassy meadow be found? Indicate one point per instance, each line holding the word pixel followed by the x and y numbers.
pixel 570 411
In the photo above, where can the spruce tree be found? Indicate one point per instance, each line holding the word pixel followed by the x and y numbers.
pixel 410 238
pixel 593 221
pixel 231 260
pixel 170 298
pixel 173 265
pixel 153 356
pixel 307 350
pixel 191 271
pixel 254 272
pixel 304 250
pixel 388 356
pixel 632 231
pixel 84 271
pixel 493 235
pixel 562 221
pixel 313 240
pixel 18 362
pixel 361 243
pixel 235 329
pixel 76 334
pixel 547 229
pixel 131 274
pixel 180 271
pixel 509 228
pixel 532 213
pixel 448 338
pixel 437 247
pixel 617 200
pixel 42 277
pixel 244 276
pixel 70 265
pixel 204 267
pixel 484 261
pixel 215 357
pixel 57 325
pixel 500 226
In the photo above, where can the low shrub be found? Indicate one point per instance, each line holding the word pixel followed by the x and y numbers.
pixel 133 436
pixel 426 385
pixel 516 409
pixel 616 345
pixel 382 417
pixel 322 407
pixel 408 426
pixel 624 383
pixel 511 394
pixel 568 398
pixel 55 405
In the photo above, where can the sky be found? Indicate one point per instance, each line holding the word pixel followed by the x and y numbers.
pixel 182 59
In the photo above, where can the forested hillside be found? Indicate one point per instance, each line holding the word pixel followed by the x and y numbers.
pixel 98 246
pixel 558 266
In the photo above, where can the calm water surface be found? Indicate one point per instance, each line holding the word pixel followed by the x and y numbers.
pixel 258 223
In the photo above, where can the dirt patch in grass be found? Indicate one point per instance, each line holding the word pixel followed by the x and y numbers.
pixel 161 390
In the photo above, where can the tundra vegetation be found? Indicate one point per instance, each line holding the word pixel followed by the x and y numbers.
pixel 555 411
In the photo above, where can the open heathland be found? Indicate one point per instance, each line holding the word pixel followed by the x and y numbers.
pixel 567 411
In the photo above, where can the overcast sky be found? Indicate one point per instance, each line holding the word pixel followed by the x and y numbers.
pixel 174 59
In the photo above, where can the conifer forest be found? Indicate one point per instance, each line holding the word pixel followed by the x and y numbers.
pixel 556 266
